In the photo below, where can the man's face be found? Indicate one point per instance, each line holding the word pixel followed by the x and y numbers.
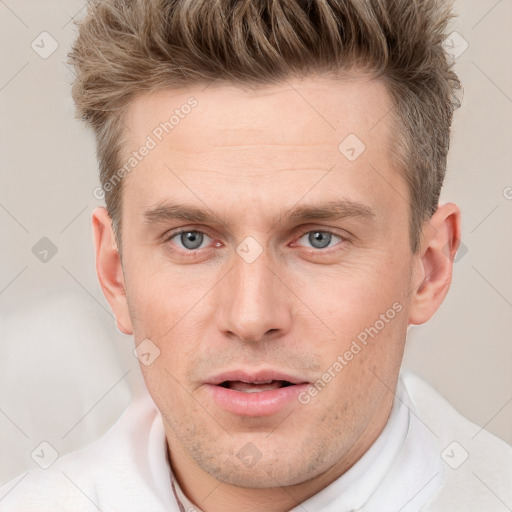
pixel 255 293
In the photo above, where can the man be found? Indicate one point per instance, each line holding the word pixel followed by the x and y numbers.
pixel 272 171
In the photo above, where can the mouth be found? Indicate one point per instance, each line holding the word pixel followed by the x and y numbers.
pixel 255 387
pixel 255 394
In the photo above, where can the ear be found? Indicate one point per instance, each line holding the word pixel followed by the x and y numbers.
pixel 434 263
pixel 109 269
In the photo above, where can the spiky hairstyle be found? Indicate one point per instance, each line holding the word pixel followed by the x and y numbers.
pixel 128 47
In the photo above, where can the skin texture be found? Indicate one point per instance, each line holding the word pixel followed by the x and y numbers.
pixel 248 158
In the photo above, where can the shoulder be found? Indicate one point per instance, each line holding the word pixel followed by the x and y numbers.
pixel 125 469
pixel 478 465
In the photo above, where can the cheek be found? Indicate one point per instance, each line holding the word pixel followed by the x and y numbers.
pixel 349 301
pixel 358 372
pixel 164 308
pixel 366 313
pixel 158 299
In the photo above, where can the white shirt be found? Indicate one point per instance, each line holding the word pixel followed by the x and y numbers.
pixel 428 458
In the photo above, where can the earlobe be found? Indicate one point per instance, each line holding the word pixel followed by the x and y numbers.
pixel 440 241
pixel 109 268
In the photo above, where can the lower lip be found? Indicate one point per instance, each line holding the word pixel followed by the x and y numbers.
pixel 261 403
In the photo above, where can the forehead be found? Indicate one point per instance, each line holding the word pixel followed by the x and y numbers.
pixel 314 110
pixel 244 149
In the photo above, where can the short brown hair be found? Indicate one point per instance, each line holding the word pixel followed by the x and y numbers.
pixel 128 47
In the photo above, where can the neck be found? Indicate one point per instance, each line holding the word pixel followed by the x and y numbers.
pixel 211 495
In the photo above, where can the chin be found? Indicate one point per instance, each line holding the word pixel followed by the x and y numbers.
pixel 285 469
pixel 261 477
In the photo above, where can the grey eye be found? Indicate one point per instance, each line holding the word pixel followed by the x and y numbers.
pixel 191 239
pixel 320 239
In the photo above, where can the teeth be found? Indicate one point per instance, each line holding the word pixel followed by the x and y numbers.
pixel 251 387
pixel 254 390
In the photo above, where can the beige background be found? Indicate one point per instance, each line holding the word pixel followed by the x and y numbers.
pixel 66 374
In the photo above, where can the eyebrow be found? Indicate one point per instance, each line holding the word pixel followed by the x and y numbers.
pixel 331 210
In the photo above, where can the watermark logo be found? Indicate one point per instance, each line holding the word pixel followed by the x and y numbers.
pixel 249 455
pixel 249 249
pixel 44 455
pixel 351 147
pixel 44 250
pixel 455 45
pixel 455 455
pixel 146 352
pixel 44 45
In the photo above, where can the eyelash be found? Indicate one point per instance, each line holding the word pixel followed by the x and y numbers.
pixel 174 234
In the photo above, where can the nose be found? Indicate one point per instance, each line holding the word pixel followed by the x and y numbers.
pixel 254 303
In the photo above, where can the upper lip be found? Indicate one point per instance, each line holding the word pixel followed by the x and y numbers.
pixel 254 376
